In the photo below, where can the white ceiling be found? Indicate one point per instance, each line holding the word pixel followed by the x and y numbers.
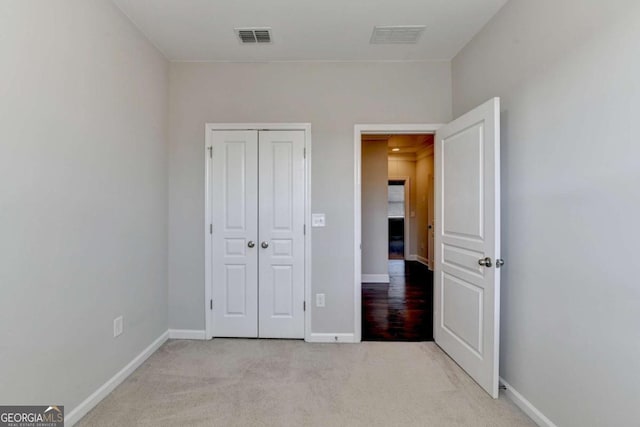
pixel 306 30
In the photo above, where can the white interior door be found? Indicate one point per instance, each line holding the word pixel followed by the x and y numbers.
pixel 234 199
pixel 281 253
pixel 467 275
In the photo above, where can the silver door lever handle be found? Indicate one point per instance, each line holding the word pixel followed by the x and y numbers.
pixel 485 262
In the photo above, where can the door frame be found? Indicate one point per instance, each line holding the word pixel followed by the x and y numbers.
pixel 359 129
pixel 208 212
pixel 407 214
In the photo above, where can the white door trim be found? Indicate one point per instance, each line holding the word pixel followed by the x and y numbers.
pixel 406 129
pixel 209 127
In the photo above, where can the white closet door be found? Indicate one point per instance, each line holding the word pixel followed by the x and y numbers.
pixel 281 223
pixel 234 193
pixel 467 278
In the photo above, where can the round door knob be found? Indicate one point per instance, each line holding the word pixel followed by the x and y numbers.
pixel 264 245
pixel 485 262
pixel 251 244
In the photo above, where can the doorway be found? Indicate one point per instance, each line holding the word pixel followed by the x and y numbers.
pixel 467 237
pixel 396 216
pixel 397 284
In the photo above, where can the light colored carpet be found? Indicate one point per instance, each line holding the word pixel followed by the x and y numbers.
pixel 236 382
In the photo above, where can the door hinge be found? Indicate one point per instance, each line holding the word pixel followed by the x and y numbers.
pixel 211 304
pixel 210 228
pixel 304 306
pixel 304 153
pixel 304 229
pixel 210 152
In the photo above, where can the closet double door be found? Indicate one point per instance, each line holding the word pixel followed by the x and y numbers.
pixel 257 197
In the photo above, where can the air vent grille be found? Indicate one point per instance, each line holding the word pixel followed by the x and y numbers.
pixel 254 35
pixel 398 34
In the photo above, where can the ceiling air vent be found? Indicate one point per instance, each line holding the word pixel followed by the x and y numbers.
pixel 254 35
pixel 397 34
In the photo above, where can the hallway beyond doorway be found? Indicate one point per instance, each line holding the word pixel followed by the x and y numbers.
pixel 401 310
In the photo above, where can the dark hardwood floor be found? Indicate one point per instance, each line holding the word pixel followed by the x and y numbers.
pixel 401 310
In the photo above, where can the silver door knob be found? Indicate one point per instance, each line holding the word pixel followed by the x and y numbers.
pixel 251 244
pixel 499 262
pixel 485 262
pixel 264 245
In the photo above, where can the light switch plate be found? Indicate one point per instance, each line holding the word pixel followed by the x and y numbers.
pixel 118 326
pixel 318 220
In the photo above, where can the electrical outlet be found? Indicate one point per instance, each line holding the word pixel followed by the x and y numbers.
pixel 118 326
pixel 318 220
pixel 319 300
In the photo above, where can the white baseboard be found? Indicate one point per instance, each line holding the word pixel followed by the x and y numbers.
pixel 411 258
pixel 526 406
pixel 375 278
pixel 422 260
pixel 186 334
pixel 331 338
pixel 90 402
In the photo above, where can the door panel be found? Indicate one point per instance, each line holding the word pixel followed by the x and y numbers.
pixel 235 280
pixel 467 199
pixel 234 197
pixel 462 184
pixel 282 290
pixel 281 225
pixel 465 261
pixel 462 311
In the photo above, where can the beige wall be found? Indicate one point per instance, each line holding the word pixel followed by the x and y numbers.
pixel 83 197
pixel 375 200
pixel 567 72
pixel 333 97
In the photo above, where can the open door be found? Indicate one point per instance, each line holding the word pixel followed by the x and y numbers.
pixel 467 242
